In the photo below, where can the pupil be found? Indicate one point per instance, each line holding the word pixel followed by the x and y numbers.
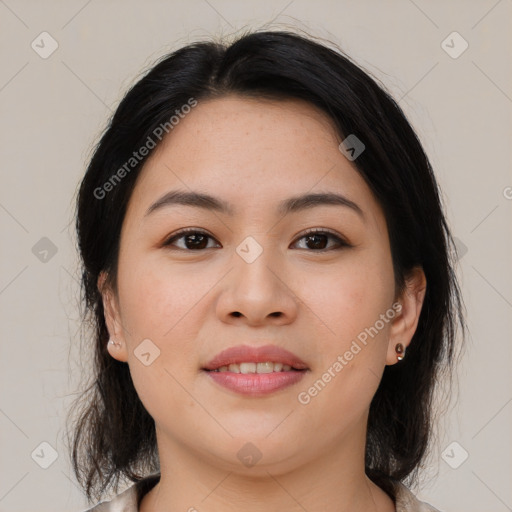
pixel 197 241
pixel 318 241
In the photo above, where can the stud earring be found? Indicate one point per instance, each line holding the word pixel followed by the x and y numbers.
pixel 112 342
pixel 400 351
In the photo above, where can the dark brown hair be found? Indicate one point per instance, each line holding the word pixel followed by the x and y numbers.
pixel 113 435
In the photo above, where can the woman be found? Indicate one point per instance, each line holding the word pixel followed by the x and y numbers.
pixel 268 270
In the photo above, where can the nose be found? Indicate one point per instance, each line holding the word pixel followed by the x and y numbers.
pixel 258 293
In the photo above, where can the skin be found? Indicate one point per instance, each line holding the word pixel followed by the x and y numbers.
pixel 194 303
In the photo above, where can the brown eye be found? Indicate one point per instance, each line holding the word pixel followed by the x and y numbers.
pixel 196 240
pixel 317 241
pixel 191 240
pixel 321 240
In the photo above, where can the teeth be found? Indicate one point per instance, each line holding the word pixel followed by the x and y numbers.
pixel 266 367
pixel 247 367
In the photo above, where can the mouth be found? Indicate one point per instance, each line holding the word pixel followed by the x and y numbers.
pixel 255 371
pixel 259 368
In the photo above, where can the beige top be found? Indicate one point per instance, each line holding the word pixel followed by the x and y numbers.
pixel 128 501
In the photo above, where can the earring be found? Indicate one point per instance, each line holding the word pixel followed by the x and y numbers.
pixel 400 351
pixel 112 342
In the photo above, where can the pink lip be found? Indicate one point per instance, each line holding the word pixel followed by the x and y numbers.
pixel 246 354
pixel 256 384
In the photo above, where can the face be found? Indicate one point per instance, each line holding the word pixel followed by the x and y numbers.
pixel 257 267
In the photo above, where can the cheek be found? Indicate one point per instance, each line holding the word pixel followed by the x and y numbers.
pixel 161 306
pixel 157 298
pixel 351 298
pixel 351 354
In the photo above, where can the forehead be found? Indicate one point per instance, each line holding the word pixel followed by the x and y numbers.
pixel 251 152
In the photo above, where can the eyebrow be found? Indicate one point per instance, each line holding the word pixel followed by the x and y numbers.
pixel 290 205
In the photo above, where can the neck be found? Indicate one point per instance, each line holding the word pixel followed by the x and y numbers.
pixel 190 482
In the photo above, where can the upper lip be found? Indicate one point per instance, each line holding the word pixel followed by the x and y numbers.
pixel 248 354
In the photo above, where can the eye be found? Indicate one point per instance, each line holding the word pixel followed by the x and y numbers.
pixel 318 240
pixel 191 239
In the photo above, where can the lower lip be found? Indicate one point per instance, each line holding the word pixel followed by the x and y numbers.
pixel 256 383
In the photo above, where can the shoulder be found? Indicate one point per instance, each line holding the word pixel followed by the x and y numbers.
pixel 128 500
pixel 407 502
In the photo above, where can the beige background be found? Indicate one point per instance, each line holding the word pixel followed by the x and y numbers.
pixel 52 111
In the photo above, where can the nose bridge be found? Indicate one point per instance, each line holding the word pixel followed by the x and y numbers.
pixel 253 262
pixel 256 290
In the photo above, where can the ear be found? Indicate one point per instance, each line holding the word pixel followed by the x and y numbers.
pixel 117 349
pixel 404 324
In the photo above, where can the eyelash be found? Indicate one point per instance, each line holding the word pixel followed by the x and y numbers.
pixel 314 231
